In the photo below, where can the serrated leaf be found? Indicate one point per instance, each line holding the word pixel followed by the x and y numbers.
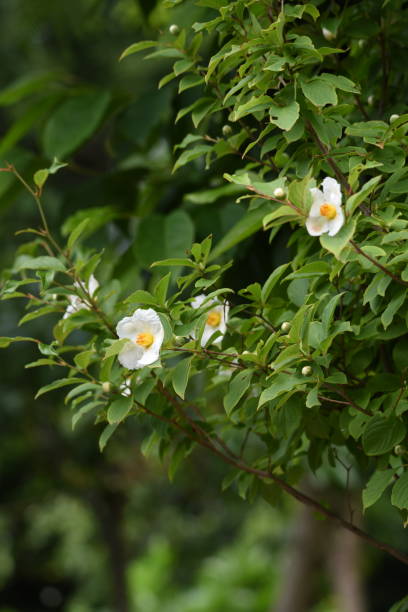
pixel 106 434
pixel 399 494
pixel 44 262
pixel 77 232
pixel 115 347
pixel 335 244
pixel 382 434
pixel 280 384
pixel 376 486
pixel 40 177
pixel 57 384
pixel 237 388
pixel 119 409
pixel 139 46
pixel 180 376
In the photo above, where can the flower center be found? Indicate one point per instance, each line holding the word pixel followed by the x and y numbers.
pixel 145 339
pixel 214 318
pixel 328 210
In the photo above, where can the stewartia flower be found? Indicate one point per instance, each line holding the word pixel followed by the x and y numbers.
pixel 326 213
pixel 145 333
pixel 75 302
pixel 217 318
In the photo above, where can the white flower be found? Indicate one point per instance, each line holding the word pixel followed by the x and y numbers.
pixel 326 213
pixel 328 34
pixel 75 302
pixel 145 333
pixel 217 318
pixel 125 387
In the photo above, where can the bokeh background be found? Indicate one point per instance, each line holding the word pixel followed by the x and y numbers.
pixel 82 531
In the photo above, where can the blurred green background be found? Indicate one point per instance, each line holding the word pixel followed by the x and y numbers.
pixel 81 531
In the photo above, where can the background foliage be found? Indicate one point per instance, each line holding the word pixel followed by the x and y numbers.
pixel 254 100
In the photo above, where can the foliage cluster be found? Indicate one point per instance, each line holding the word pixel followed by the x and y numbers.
pixel 312 367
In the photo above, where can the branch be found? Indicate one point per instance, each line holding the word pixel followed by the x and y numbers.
pixel 396 278
pixel 264 475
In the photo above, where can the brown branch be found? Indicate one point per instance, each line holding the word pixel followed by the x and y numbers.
pixel 376 263
pixel 298 495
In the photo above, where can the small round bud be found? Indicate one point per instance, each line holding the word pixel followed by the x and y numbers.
pixel 328 34
pixel 285 327
pixel 174 29
pixel 279 193
pixel 306 371
pixel 106 386
pixel 361 43
pixel 399 449
pixel 370 100
pixel 394 118
pixel 226 130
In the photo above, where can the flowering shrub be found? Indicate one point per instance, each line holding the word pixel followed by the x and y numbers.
pixel 307 368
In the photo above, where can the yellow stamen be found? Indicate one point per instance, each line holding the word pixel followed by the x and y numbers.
pixel 145 339
pixel 328 210
pixel 214 318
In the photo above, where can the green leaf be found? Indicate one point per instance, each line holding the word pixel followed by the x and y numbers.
pixel 180 376
pixel 250 223
pixel 382 434
pixel 77 232
pixel 115 347
pixel 174 261
pixel 40 312
pixel 399 495
pixel 238 387
pixel 83 359
pixel 141 297
pixel 119 409
pixel 26 262
pixel 139 46
pixel 106 434
pixel 319 91
pixel 340 82
pixel 280 384
pixel 5 342
pixel 272 281
pixel 357 198
pixel 376 486
pixel 393 307
pixel 178 233
pixel 284 117
pixel 40 177
pixel 73 122
pixel 62 382
pixel 311 270
pixel 335 244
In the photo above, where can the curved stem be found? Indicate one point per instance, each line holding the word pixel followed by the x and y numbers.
pixel 268 475
pixel 376 263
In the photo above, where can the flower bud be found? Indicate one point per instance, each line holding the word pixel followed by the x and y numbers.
pixel 306 371
pixel 399 449
pixel 361 43
pixel 394 118
pixel 285 327
pixel 226 130
pixel 279 193
pixel 370 100
pixel 174 29
pixel 106 386
pixel 328 34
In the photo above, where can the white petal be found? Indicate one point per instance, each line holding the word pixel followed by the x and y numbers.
pixel 317 201
pixel 198 300
pixel 316 226
pixel 126 328
pixel 130 356
pixel 150 355
pixel 336 223
pixel 92 284
pixel 331 191
pixel 207 333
